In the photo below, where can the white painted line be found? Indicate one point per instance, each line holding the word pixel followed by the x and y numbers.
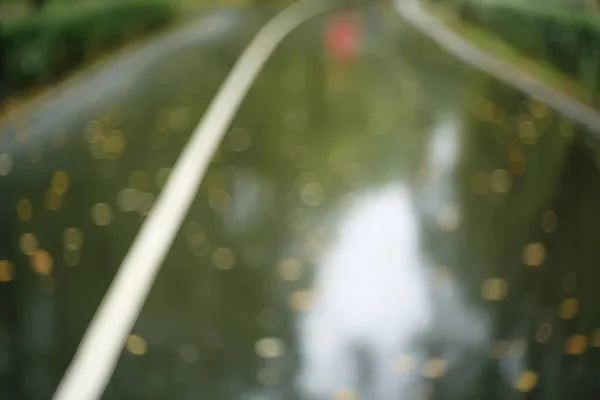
pixel 99 350
pixel 413 13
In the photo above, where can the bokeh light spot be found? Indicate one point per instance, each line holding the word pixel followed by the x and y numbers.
pixel 41 262
pixel 6 271
pixel 101 214
pixel 269 348
pixel 543 333
pixel 218 200
pixel 71 257
pixel 448 219
pixel 494 289
pixel 129 199
pixel 52 200
pixel 24 209
pixel 576 345
pixel 526 381
pixel 549 221
pixel 267 377
pixel 60 182
pixel 73 239
pixel 568 308
pixel 500 181
pixel 188 353
pixel 527 132
pixel 289 269
pixel 223 258
pixel 534 254
pixel 136 345
pixel 300 300
pixel 434 368
pixel 28 243
pixel 312 194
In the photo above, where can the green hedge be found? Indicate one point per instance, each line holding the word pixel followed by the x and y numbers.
pixel 50 43
pixel 567 38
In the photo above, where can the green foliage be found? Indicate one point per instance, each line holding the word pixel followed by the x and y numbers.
pixel 567 38
pixel 50 43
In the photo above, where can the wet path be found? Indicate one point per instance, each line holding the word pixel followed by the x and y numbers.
pixel 395 208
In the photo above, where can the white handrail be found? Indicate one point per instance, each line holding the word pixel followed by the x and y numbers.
pixel 97 355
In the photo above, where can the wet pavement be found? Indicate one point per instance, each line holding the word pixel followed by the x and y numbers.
pixel 381 224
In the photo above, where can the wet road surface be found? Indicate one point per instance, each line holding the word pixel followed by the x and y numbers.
pixel 387 224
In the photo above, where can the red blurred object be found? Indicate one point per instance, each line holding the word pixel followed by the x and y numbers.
pixel 342 38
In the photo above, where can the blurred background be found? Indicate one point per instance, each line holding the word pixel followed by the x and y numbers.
pixel 382 220
pixel 44 40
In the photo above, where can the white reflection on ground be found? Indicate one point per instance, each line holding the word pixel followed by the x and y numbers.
pixel 377 304
pixel 381 306
pixel 370 292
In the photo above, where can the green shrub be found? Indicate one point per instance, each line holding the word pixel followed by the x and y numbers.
pixel 52 42
pixel 567 38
